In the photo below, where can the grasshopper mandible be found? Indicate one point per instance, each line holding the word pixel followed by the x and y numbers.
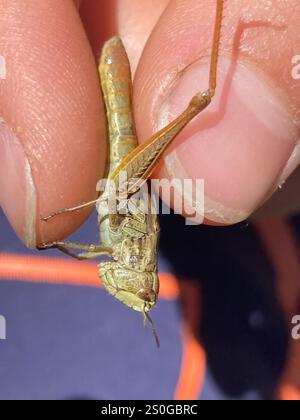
pixel 130 238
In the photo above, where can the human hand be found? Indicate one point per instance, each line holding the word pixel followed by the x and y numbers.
pixel 52 139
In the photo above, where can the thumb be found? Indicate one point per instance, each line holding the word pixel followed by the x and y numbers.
pixel 52 127
pixel 242 143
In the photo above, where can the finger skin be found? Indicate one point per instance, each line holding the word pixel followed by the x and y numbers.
pixel 100 21
pixel 132 20
pixel 240 166
pixel 51 101
pixel 136 20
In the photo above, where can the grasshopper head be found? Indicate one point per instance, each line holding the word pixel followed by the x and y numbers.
pixel 138 290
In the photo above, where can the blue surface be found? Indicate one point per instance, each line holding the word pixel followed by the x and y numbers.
pixel 66 342
pixel 77 342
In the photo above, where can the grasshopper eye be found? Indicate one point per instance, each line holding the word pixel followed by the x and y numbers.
pixel 147 295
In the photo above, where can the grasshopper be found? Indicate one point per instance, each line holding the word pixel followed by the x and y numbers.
pixel 130 238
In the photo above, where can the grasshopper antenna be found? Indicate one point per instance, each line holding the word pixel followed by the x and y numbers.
pixel 215 48
pixel 148 318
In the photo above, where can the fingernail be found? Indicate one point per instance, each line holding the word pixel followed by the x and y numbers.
pixel 17 190
pixel 239 145
pixel 292 164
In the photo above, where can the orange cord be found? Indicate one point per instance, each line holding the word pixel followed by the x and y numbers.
pixel 193 367
pixel 18 267
pixel 63 271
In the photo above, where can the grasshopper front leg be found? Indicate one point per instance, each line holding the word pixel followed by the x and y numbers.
pixel 69 210
pixel 93 251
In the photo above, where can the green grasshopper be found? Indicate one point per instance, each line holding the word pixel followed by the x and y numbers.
pixel 130 237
